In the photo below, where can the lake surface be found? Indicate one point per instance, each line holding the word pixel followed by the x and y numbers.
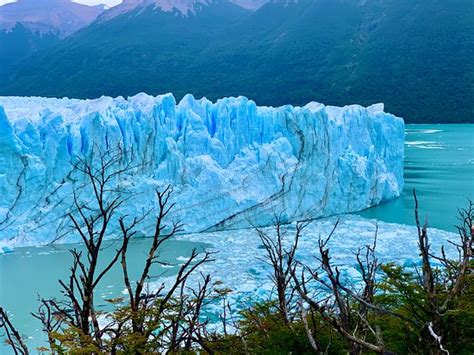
pixel 34 271
pixel 439 163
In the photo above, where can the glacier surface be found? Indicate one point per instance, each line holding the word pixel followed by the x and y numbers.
pixel 232 164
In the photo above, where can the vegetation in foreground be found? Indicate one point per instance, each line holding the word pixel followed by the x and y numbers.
pixel 426 309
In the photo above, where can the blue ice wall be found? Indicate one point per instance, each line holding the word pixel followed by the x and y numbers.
pixel 232 164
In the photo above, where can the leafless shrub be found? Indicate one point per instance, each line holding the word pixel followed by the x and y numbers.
pixel 281 259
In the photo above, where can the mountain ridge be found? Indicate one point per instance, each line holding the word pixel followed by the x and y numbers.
pixel 31 26
pixel 183 7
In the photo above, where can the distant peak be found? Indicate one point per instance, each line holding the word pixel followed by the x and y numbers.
pixel 64 16
pixel 185 7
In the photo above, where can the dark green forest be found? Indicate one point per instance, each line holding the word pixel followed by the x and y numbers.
pixel 19 43
pixel 415 56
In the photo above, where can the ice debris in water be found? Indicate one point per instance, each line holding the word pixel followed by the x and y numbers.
pixel 239 262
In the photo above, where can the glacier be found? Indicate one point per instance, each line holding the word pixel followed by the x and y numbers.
pixel 232 163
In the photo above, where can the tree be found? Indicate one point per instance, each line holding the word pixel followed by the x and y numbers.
pixel 433 293
pixel 167 306
pixel 281 259
pixel 13 337
pixel 175 309
pixel 423 301
pixel 91 221
pixel 345 308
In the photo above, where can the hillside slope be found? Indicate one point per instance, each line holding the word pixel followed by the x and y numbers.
pixel 19 43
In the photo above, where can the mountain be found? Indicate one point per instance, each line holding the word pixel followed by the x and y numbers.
pixel 184 7
pixel 31 26
pixel 57 16
pixel 130 46
pixel 413 55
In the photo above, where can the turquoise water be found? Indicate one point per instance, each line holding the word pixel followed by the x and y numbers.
pixel 439 163
pixel 33 271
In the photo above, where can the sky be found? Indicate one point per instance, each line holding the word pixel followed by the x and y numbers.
pixel 87 2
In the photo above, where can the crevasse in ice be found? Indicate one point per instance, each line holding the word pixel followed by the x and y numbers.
pixel 232 164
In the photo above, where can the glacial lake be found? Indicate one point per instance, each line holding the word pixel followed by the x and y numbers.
pixel 439 163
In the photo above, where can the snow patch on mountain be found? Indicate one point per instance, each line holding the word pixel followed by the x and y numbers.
pixel 183 7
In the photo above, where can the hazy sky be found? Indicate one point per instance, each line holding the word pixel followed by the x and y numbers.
pixel 88 2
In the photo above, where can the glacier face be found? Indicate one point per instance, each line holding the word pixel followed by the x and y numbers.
pixel 232 164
